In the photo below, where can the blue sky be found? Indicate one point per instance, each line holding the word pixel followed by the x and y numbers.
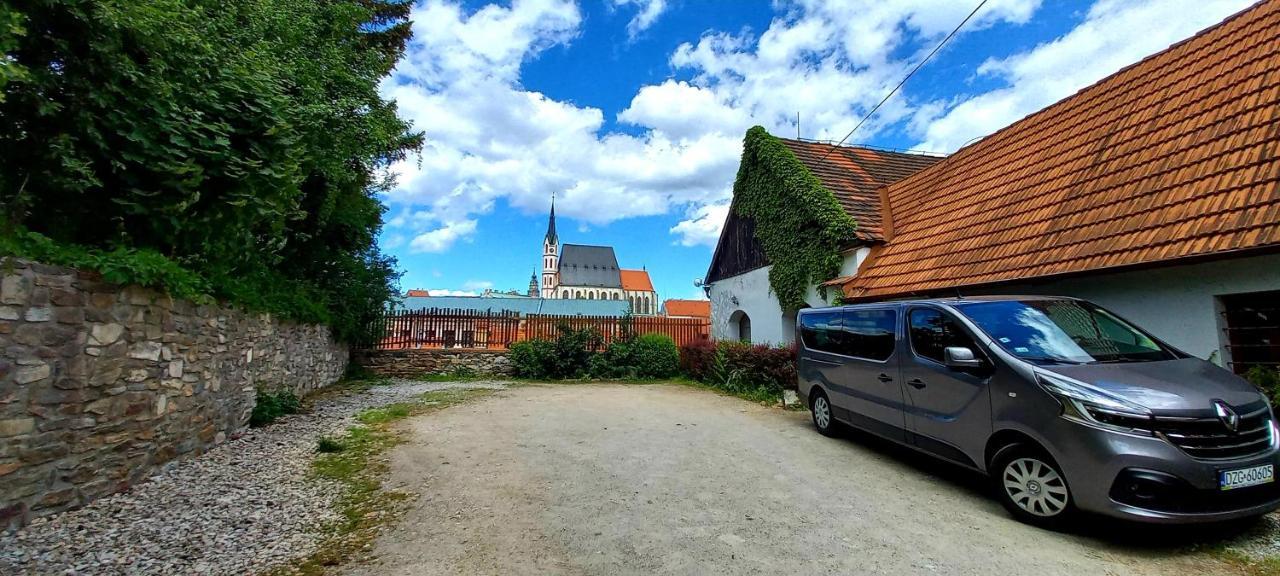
pixel 632 111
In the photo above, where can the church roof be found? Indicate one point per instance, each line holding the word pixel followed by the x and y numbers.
pixel 582 265
pixel 636 280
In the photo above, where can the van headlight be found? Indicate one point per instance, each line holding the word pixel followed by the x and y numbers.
pixel 1089 405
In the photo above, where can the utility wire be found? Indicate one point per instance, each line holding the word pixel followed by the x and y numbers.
pixel 905 78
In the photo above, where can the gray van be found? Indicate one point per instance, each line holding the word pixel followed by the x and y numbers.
pixel 1064 405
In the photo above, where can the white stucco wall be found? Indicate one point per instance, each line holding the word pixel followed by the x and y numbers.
pixel 756 299
pixel 1178 304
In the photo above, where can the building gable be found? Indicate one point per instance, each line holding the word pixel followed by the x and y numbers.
pixel 853 175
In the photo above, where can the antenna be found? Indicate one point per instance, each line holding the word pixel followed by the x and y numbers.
pixel 797 124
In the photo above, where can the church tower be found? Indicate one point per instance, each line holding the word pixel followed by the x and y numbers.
pixel 533 285
pixel 549 257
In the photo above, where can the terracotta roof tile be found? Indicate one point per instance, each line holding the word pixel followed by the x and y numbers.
pixel 853 174
pixel 1175 156
pixel 691 308
pixel 637 280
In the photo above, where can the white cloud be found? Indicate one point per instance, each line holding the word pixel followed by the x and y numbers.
pixel 649 11
pixel 444 292
pixel 702 226
pixel 477 285
pixel 490 139
pixel 1114 34
pixel 440 239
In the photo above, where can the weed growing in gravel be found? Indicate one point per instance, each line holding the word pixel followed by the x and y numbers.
pixel 327 445
pixel 268 407
pixel 359 466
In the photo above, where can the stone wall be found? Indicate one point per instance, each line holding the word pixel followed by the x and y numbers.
pixel 424 361
pixel 100 385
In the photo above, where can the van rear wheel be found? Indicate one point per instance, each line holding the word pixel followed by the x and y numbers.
pixel 1032 487
pixel 820 406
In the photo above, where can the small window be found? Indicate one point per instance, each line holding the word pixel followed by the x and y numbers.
pixel 821 331
pixel 870 333
pixel 932 331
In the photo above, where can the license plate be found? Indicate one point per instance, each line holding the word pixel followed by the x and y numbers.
pixel 1230 479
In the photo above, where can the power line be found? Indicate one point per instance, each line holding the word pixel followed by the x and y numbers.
pixel 905 78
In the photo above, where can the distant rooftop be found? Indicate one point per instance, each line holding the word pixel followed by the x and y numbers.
pixel 520 305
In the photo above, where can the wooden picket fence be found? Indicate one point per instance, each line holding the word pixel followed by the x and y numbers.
pixel 447 328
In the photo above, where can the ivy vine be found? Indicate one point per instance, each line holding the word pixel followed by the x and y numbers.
pixel 799 223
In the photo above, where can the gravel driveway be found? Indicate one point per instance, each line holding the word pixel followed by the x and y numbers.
pixel 635 479
pixel 243 507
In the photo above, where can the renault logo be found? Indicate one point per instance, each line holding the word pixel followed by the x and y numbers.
pixel 1228 416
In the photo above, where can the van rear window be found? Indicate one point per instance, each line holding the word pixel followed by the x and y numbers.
pixel 859 333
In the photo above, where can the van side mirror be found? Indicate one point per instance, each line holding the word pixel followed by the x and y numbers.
pixel 960 357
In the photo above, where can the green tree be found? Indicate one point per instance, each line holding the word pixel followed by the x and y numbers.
pixel 245 140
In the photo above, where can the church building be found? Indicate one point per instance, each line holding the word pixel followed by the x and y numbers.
pixel 585 272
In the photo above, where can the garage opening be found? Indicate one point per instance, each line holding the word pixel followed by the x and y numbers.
pixel 1252 325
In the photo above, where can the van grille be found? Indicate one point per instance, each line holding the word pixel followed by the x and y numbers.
pixel 1210 439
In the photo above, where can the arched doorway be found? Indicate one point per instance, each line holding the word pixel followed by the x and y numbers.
pixel 740 326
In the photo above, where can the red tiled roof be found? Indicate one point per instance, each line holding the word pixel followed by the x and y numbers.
pixel 636 280
pixel 690 308
pixel 1176 156
pixel 854 173
pixel 417 293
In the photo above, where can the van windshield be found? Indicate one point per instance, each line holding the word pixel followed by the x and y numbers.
pixel 1063 331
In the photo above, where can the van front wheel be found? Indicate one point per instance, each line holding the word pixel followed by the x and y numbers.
pixel 1032 487
pixel 822 418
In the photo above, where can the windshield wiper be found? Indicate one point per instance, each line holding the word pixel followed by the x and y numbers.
pixel 1050 359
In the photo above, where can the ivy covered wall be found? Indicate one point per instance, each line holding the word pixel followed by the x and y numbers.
pixel 799 223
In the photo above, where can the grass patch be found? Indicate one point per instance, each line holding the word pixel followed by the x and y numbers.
pixel 359 465
pixel 757 395
pixel 1268 566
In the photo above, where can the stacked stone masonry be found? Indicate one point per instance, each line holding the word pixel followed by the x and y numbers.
pixel 100 384
pixel 411 363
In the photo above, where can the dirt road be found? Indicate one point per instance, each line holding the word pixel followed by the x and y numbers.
pixel 663 479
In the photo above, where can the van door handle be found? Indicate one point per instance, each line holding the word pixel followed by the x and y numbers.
pixel 884 378
pixel 916 383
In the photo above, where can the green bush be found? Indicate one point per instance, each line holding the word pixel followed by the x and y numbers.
pixel 655 356
pixel 573 354
pixel 643 357
pixel 268 407
pixel 1267 380
pixel 532 358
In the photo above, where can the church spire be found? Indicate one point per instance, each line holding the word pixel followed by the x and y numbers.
pixel 552 238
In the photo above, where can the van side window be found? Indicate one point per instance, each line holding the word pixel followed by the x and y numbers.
pixel 821 331
pixel 870 333
pixel 932 331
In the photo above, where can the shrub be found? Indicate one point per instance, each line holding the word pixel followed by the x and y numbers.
pixel 697 359
pixel 268 407
pixel 646 356
pixel 655 356
pixel 568 356
pixel 1267 380
pixel 532 358
pixel 758 371
pixel 761 365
